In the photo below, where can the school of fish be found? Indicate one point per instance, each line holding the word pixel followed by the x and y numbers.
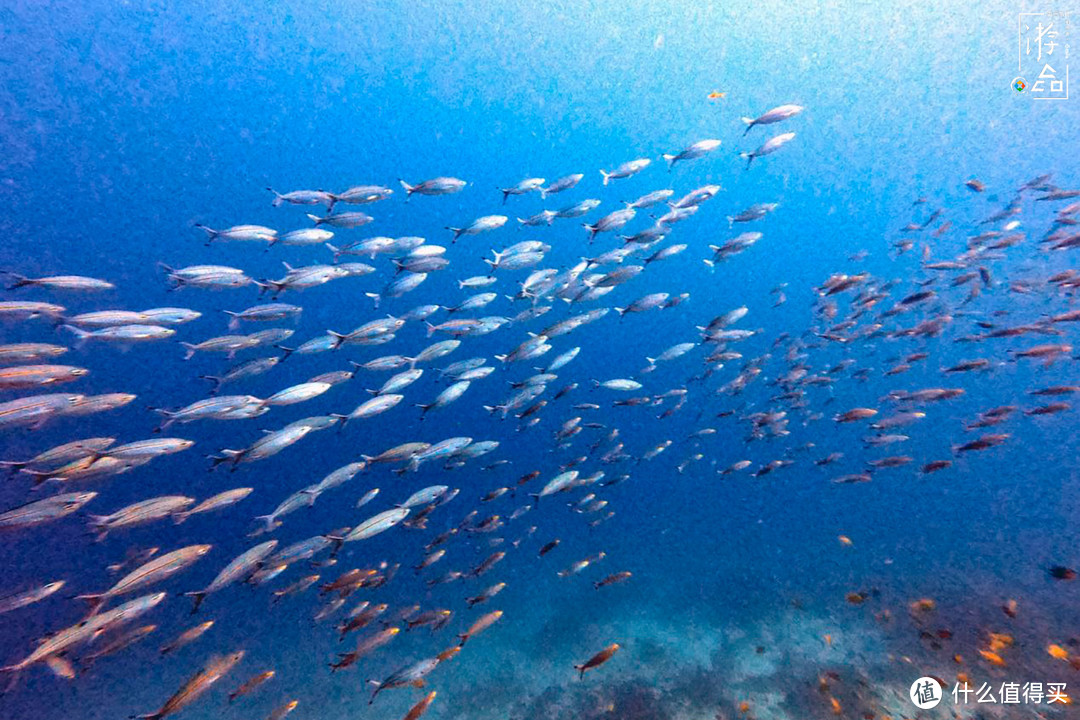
pixel 743 384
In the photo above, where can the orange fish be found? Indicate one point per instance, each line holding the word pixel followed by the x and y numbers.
pixel 251 684
pixel 1056 651
pixel 992 657
pixel 598 659
pixel 481 624
pixel 448 653
pixel 421 707
pixel 215 668
pixel 922 605
pixel 280 712
pixel 715 95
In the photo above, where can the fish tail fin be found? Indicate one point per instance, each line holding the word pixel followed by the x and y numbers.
pixel 430 328
pixel 81 336
pixel 332 248
pixel 749 158
pixel 409 189
pixel 20 280
pixel 269 522
pixel 670 160
pixel 340 339
pixel 607 176
pixel 749 122
pixel 457 232
pixel 287 350
pixel 167 414
pixel 94 600
pixel 98 526
pixel 730 222
pixel 277 201
pixel 316 219
pixel 581 669
pixel 506 194
pixel 191 350
pixel 621 311
pixel 376 297
pixel 265 285
pixel 199 596
pixel 226 455
pixel 210 232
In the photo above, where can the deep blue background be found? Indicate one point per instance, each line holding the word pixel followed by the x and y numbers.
pixel 120 127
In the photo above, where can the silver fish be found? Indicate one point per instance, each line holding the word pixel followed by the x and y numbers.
pixel 479 225
pixel 434 186
pixel 564 183
pixel 698 149
pixel 29 597
pixel 627 169
pixel 377 524
pixel 783 112
pixel 771 145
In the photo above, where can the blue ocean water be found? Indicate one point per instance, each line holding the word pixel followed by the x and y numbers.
pixel 124 125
